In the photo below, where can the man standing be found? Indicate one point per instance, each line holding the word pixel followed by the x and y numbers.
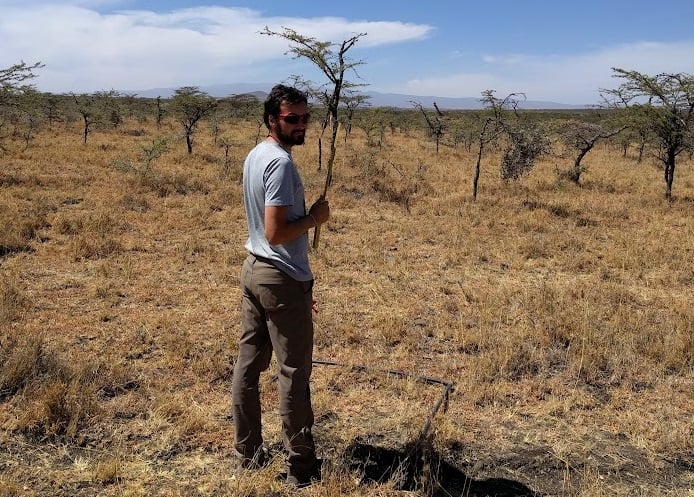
pixel 277 285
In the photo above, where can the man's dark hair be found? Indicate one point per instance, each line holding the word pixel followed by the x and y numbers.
pixel 278 95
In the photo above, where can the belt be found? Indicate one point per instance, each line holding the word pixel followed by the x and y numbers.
pixel 261 259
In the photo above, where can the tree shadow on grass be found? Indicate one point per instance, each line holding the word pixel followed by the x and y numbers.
pixel 419 467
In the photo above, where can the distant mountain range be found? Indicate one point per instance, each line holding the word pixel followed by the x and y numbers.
pixel 377 99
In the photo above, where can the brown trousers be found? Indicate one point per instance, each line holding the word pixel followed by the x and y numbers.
pixel 275 316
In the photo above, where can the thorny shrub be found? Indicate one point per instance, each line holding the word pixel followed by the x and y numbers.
pixel 527 143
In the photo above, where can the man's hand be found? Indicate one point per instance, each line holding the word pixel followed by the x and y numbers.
pixel 320 210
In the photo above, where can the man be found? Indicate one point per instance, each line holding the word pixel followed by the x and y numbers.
pixel 277 286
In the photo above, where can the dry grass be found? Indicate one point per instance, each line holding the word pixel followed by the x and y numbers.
pixel 564 314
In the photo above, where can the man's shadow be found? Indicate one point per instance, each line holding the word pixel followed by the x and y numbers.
pixel 418 467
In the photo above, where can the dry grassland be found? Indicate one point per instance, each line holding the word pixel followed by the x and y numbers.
pixel 564 314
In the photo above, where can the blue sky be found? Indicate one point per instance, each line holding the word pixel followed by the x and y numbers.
pixel 550 50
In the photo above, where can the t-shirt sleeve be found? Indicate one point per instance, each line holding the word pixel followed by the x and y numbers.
pixel 279 182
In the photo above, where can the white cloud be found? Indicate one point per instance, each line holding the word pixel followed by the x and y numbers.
pixel 573 79
pixel 84 50
pixel 82 3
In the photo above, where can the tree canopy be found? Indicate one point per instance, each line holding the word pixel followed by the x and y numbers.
pixel 664 105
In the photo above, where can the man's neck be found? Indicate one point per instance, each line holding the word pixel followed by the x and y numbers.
pixel 285 146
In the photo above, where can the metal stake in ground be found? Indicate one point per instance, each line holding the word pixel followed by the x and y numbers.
pixel 449 386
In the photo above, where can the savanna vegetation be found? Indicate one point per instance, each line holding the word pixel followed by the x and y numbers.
pixel 561 305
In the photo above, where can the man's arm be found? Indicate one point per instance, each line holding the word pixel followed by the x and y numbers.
pixel 278 230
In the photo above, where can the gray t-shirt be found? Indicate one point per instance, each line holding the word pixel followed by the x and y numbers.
pixel 271 178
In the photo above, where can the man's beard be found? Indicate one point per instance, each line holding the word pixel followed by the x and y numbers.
pixel 295 138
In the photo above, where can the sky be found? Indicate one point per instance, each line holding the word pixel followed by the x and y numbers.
pixel 553 50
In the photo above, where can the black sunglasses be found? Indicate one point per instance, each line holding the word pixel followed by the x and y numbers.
pixel 295 118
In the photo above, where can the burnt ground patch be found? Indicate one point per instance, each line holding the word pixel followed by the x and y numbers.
pixel 527 470
pixel 418 466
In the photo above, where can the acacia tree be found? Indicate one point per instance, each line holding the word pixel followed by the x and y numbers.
pixel 95 109
pixel 352 102
pixel 11 80
pixel 580 137
pixel 664 104
pixel 525 140
pixel 489 131
pixel 373 121
pixel 15 93
pixel 160 112
pixel 30 114
pixel 52 108
pixel 462 130
pixel 331 60
pixel 435 122
pixel 86 108
pixel 190 105
pixel 110 103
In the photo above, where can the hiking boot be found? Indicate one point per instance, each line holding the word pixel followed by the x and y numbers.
pixel 260 460
pixel 302 480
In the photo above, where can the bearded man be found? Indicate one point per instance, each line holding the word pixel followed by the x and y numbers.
pixel 277 286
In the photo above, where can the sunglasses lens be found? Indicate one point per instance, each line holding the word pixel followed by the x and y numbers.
pixel 294 118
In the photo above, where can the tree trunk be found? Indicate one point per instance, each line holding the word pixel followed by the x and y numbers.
pixel 575 173
pixel 476 180
pixel 160 112
pixel 669 174
pixel 642 147
pixel 332 112
pixel 331 158
pixel 482 140
pixel 320 153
